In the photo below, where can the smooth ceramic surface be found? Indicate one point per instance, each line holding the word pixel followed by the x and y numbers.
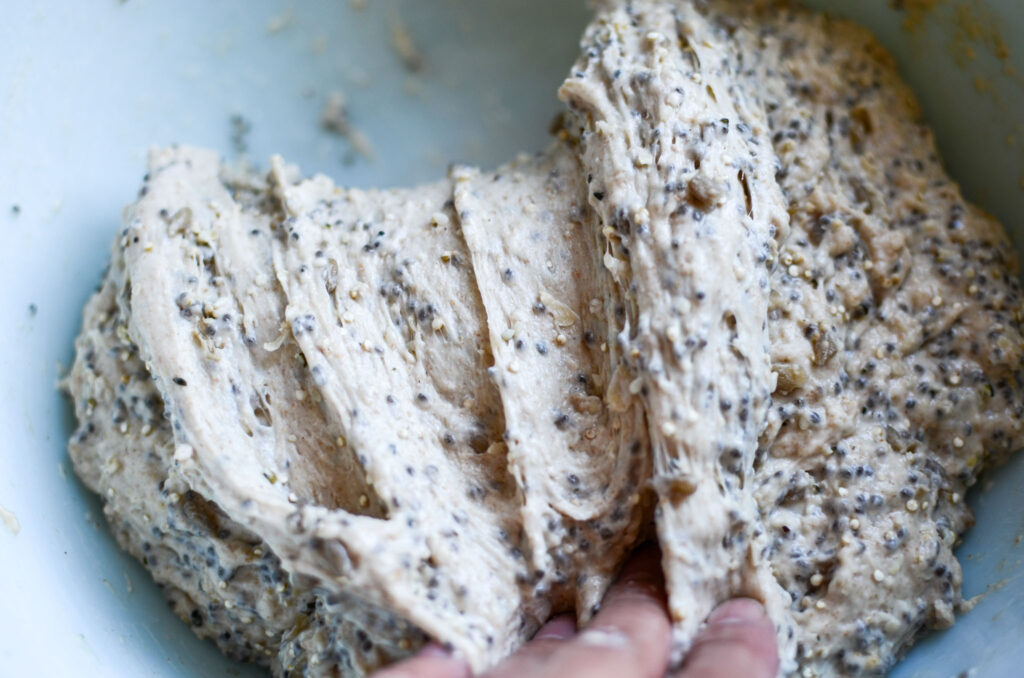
pixel 86 87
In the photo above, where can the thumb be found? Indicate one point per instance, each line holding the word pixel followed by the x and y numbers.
pixel 737 642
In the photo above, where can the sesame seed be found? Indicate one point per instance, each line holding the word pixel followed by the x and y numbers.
pixel 912 505
pixel 958 442
pixel 878 576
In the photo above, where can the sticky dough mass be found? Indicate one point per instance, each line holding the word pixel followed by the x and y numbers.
pixel 737 305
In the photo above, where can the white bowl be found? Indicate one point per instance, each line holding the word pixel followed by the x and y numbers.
pixel 85 88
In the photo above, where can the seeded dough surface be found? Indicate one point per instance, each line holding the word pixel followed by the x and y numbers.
pixel 738 305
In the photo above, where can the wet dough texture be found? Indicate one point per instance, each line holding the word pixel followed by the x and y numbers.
pixel 738 304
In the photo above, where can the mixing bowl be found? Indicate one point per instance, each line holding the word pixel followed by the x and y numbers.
pixel 86 87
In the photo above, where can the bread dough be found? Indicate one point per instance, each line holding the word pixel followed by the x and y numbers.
pixel 738 298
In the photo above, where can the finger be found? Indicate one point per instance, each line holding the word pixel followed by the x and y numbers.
pixel 739 640
pixel 432 661
pixel 633 622
pixel 628 637
pixel 531 659
pixel 558 628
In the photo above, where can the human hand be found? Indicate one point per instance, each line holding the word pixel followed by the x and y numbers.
pixel 628 638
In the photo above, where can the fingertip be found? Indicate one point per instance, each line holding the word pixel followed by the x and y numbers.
pixel 738 610
pixel 738 640
pixel 641 576
pixel 432 661
pixel 631 632
pixel 560 627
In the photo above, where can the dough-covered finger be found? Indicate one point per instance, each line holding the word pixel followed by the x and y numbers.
pixel 739 640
